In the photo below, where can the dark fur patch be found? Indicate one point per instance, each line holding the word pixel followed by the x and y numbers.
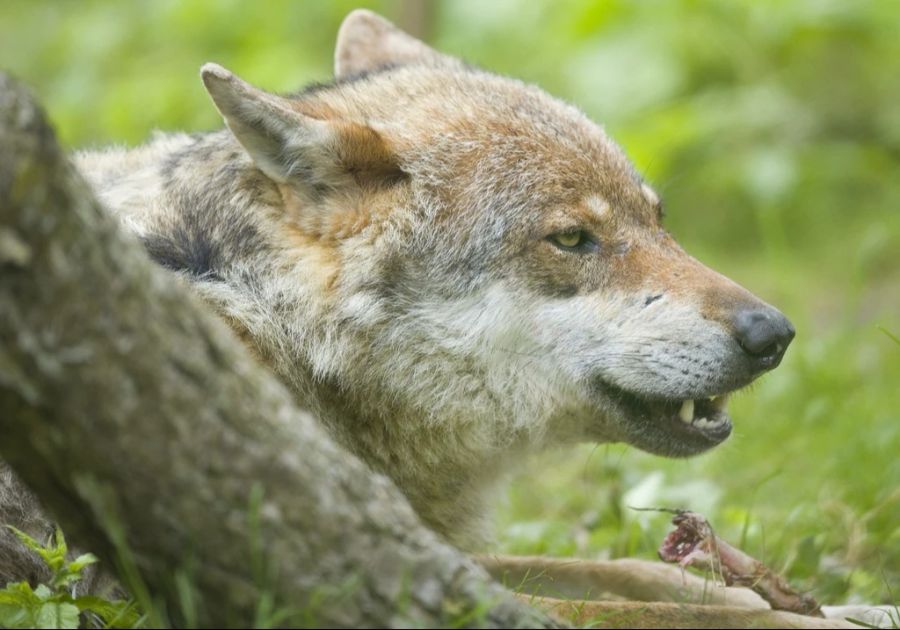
pixel 186 248
pixel 314 88
pixel 202 250
pixel 207 232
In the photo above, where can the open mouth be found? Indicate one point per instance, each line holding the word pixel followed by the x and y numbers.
pixel 674 427
pixel 707 416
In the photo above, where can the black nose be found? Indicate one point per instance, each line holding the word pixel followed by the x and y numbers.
pixel 764 334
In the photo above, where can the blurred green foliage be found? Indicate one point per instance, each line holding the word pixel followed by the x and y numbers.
pixel 771 128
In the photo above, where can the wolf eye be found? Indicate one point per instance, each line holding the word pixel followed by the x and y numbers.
pixel 579 241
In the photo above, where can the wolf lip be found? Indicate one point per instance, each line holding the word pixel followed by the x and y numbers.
pixel 681 427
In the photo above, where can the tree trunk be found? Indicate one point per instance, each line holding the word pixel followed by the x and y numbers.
pixel 159 444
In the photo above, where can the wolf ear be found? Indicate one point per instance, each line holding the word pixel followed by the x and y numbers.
pixel 366 41
pixel 294 148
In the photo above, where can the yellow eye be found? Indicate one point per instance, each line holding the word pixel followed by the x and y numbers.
pixel 577 242
pixel 572 239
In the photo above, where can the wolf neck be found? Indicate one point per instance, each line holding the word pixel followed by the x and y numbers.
pixel 202 211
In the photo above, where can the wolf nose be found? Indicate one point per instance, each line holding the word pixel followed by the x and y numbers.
pixel 764 334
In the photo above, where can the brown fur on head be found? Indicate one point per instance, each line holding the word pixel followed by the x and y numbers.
pixel 449 266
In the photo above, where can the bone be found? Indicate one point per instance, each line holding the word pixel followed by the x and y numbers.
pixel 693 543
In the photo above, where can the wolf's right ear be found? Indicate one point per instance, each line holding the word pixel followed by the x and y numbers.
pixel 318 154
pixel 366 42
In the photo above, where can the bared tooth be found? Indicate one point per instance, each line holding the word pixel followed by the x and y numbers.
pixel 702 423
pixel 719 402
pixel 687 411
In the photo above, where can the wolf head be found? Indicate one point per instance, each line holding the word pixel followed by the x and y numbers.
pixel 452 266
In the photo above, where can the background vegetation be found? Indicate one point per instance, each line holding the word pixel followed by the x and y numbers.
pixel 772 130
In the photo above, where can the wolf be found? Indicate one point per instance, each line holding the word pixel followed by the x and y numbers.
pixel 451 269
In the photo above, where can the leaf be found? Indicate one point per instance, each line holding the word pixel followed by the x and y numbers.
pixel 119 613
pixel 43 592
pixel 55 555
pixel 57 615
pixel 61 541
pixel 18 594
pixel 27 540
pixel 64 579
pixel 18 603
pixel 81 561
pixel 14 616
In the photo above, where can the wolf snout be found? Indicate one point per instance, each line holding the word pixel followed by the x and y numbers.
pixel 764 334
